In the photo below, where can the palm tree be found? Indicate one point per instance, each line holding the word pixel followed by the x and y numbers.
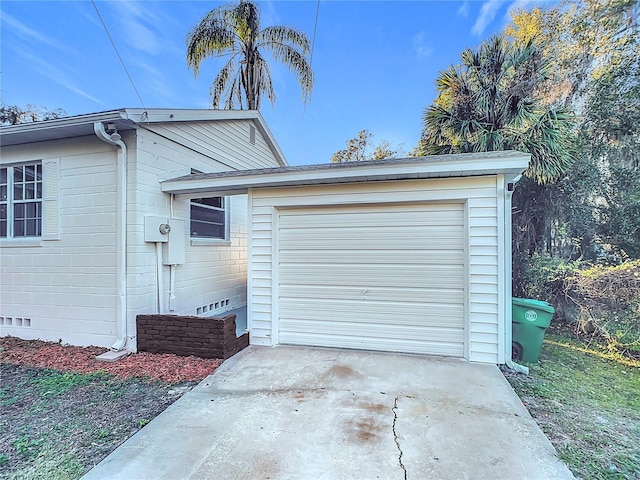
pixel 489 103
pixel 234 30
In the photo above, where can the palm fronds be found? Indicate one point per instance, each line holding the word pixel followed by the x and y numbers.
pixel 234 29
pixel 488 102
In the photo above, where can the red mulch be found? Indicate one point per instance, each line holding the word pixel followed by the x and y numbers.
pixel 66 358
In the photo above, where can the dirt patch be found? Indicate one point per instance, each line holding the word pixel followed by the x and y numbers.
pixel 63 411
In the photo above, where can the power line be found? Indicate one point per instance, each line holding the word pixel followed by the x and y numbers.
pixel 119 57
pixel 315 28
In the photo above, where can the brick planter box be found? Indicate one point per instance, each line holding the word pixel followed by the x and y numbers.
pixel 205 337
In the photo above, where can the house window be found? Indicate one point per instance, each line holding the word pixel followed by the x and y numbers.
pixel 209 218
pixel 21 201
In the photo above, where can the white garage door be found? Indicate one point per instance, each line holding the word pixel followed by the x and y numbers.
pixel 377 277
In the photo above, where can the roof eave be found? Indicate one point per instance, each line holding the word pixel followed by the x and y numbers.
pixel 127 119
pixel 511 167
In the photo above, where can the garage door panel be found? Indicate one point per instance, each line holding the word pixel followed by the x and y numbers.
pixel 382 277
pixel 373 239
pixel 372 331
pixel 366 276
pixel 308 293
pixel 341 257
pixel 374 311
pixel 410 215
pixel 424 346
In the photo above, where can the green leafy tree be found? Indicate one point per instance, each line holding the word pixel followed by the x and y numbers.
pixel 489 102
pixel 358 149
pixel 592 47
pixel 610 140
pixel 233 31
pixel 15 114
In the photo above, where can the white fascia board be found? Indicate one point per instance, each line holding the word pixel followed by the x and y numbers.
pixel 62 122
pixel 160 115
pixel 127 118
pixel 450 166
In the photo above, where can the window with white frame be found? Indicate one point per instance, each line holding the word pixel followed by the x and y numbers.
pixel 210 218
pixel 21 201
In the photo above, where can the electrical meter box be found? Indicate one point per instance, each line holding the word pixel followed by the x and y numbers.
pixel 156 229
pixel 174 250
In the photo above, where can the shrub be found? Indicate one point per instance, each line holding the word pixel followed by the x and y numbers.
pixel 607 302
pixel 603 301
pixel 543 277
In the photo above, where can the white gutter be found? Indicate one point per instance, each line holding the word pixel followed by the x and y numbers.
pixel 508 280
pixel 121 244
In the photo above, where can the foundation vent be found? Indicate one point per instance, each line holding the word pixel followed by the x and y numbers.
pixel 15 321
pixel 212 307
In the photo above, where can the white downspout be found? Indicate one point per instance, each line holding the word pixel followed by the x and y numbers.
pixel 121 244
pixel 508 280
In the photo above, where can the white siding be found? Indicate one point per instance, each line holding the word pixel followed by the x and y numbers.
pixel 66 288
pixel 479 195
pixel 226 141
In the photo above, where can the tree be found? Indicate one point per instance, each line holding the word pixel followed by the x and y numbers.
pixel 489 103
pixel 234 30
pixel 592 47
pixel 358 150
pixel 14 114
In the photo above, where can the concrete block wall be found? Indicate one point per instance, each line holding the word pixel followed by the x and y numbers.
pixel 65 289
pixel 206 337
pixel 214 272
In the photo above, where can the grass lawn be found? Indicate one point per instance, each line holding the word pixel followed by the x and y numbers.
pixel 58 425
pixel 63 411
pixel 587 401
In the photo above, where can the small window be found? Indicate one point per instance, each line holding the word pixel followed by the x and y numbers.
pixel 209 218
pixel 21 201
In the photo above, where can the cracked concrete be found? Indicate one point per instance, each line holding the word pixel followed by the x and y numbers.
pixel 310 413
pixel 395 437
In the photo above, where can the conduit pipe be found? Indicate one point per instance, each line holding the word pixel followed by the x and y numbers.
pixel 159 279
pixel 172 288
pixel 508 193
pixel 121 244
pixel 172 270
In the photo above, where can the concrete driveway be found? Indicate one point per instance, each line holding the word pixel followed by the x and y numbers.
pixel 311 413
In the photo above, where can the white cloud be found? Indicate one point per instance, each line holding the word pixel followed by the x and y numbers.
pixel 268 14
pixel 463 11
pixel 57 75
pixel 487 14
pixel 27 33
pixel 420 45
pixel 141 26
pixel 518 5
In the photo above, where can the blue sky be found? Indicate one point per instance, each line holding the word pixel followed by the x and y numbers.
pixel 375 63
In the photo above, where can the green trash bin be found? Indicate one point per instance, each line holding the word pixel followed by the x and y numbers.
pixel 530 319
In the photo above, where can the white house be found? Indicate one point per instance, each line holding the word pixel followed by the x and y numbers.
pixel 409 255
pixel 76 194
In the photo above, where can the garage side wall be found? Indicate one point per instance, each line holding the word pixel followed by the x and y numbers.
pixel 478 193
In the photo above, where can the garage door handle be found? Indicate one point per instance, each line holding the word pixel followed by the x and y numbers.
pixel 364 291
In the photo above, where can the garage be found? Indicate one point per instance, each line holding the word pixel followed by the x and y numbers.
pixel 405 255
pixel 386 277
